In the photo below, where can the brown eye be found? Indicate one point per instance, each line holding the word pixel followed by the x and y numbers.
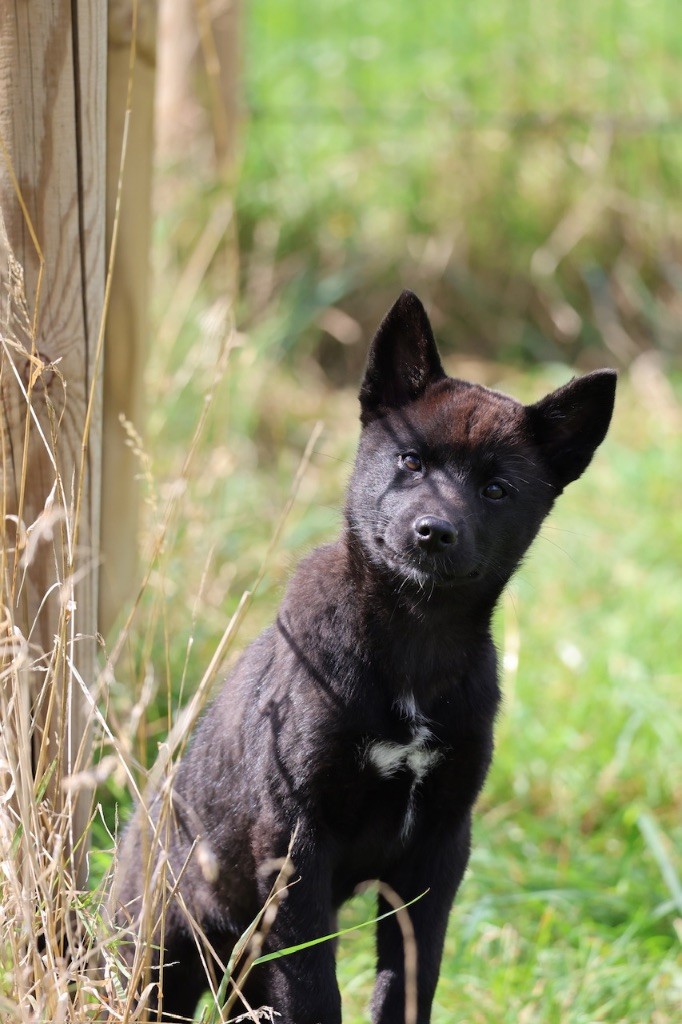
pixel 494 491
pixel 412 462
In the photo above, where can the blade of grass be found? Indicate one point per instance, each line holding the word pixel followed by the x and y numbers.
pixel 654 840
pixel 335 935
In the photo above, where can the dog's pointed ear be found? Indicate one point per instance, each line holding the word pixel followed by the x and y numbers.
pixel 569 424
pixel 403 359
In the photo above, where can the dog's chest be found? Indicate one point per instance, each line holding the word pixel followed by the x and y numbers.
pixel 404 764
pixel 416 756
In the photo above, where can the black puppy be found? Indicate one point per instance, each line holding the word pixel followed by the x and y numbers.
pixel 365 714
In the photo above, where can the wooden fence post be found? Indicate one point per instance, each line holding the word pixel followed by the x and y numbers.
pixel 199 39
pixel 128 315
pixel 52 275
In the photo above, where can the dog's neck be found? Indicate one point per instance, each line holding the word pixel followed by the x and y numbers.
pixel 427 619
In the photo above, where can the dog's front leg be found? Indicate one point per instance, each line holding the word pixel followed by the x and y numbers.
pixel 302 986
pixel 437 866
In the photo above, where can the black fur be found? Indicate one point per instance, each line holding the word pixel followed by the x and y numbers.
pixel 382 641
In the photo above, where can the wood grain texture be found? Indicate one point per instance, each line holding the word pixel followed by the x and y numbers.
pixel 52 108
pixel 127 318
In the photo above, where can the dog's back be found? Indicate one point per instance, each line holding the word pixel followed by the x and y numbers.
pixel 362 720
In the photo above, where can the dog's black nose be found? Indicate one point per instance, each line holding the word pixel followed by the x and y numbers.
pixel 434 534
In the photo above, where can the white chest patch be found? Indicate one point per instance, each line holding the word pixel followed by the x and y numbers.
pixel 389 758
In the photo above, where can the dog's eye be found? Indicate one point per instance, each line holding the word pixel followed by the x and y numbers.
pixel 494 491
pixel 411 461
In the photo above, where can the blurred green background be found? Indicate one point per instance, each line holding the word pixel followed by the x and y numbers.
pixel 518 165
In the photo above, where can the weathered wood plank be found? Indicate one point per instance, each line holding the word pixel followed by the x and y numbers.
pixel 52 105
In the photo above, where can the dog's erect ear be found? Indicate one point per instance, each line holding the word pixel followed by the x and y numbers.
pixel 403 359
pixel 569 424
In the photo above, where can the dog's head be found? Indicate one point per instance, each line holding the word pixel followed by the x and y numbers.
pixel 452 480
